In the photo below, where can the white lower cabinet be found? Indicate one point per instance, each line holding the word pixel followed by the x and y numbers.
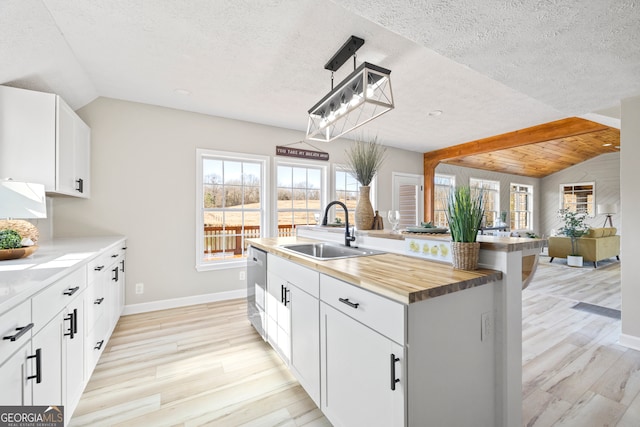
pixel 305 340
pixel 362 371
pixel 16 388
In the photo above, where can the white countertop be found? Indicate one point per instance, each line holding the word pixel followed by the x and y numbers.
pixel 22 278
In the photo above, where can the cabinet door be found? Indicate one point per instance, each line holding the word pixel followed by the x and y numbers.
pixel 278 317
pixel 73 354
pixel 82 159
pixel 16 388
pixel 47 364
pixel 305 340
pixel 359 372
pixel 65 149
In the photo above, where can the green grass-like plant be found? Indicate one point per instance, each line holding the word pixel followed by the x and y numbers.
pixel 364 160
pixel 464 213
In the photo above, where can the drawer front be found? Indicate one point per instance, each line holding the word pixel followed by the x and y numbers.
pixel 97 267
pixel 96 301
pixel 12 326
pixel 95 342
pixel 380 314
pixel 303 277
pixel 52 300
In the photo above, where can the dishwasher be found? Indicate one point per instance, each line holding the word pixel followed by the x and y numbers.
pixel 256 289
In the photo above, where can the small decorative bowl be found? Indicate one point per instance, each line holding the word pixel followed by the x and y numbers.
pixel 25 251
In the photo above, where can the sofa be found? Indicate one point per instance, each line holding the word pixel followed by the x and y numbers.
pixel 596 245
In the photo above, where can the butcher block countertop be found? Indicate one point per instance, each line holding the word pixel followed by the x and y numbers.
pixel 399 277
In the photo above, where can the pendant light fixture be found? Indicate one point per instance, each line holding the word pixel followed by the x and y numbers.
pixel 361 97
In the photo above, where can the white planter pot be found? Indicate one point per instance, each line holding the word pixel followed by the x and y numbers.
pixel 574 261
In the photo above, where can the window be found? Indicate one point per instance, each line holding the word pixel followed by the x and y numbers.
pixel 347 189
pixel 299 195
pixel 521 205
pixel 578 197
pixel 491 194
pixel 231 201
pixel 443 185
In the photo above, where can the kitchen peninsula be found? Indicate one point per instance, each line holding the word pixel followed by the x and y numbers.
pixel 391 339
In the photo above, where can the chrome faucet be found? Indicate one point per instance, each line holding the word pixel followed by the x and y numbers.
pixel 348 238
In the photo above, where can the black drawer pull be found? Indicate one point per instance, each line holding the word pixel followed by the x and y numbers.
pixel 38 375
pixel 394 380
pixel 99 301
pixel 98 345
pixel 349 303
pixel 21 331
pixel 71 291
pixel 99 268
pixel 114 256
pixel 114 276
pixel 80 187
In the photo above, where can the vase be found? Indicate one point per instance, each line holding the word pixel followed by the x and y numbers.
pixel 364 210
pixel 464 255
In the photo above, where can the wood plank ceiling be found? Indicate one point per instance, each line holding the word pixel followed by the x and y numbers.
pixel 536 152
pixel 544 158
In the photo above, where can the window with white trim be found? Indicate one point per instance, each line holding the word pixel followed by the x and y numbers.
pixel 443 186
pixel 578 197
pixel 347 189
pixel 231 202
pixel 491 194
pixel 299 191
pixel 521 206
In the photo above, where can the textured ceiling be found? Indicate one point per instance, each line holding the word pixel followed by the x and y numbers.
pixel 490 66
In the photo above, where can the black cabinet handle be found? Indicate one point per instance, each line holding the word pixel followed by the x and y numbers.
pixel 98 345
pixel 124 248
pixel 21 331
pixel 80 186
pixel 394 380
pixel 122 266
pixel 114 276
pixel 99 268
pixel 38 375
pixel 114 256
pixel 99 301
pixel 71 291
pixel 349 303
pixel 73 324
pixel 287 292
pixel 282 294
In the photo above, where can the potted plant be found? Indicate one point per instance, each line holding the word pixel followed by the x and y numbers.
pixel 364 160
pixel 465 212
pixel 574 227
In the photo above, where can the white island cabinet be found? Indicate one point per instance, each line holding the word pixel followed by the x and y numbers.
pixel 43 140
pixel 293 320
pixel 395 340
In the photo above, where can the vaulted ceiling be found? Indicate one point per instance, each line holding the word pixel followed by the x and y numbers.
pixel 489 66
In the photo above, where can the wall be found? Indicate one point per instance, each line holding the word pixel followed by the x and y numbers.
pixel 143 186
pixel 604 170
pixel 630 250
pixel 463 174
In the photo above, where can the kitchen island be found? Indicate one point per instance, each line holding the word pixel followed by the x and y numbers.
pixel 402 340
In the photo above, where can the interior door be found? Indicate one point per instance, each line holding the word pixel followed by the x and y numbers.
pixel 408 198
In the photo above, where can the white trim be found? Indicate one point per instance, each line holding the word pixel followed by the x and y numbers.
pixel 629 341
pixel 146 307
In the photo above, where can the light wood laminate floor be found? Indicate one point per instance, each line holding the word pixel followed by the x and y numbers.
pixel 205 365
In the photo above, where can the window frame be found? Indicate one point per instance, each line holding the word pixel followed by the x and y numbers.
pixel 561 194
pixel 201 155
pixel 280 161
pixel 452 178
pixel 513 213
pixel 496 192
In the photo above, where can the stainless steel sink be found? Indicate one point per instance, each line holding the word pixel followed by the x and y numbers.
pixel 325 251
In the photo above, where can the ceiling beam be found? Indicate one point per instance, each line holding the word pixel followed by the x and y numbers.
pixel 568 127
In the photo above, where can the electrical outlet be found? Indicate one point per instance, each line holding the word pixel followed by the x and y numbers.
pixel 486 326
pixel 139 288
pixel 242 275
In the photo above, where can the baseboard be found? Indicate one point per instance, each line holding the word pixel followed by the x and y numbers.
pixel 630 341
pixel 146 307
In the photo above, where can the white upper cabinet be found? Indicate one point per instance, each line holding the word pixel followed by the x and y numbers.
pixel 43 140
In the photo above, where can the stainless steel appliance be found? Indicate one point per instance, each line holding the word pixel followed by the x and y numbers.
pixel 256 289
